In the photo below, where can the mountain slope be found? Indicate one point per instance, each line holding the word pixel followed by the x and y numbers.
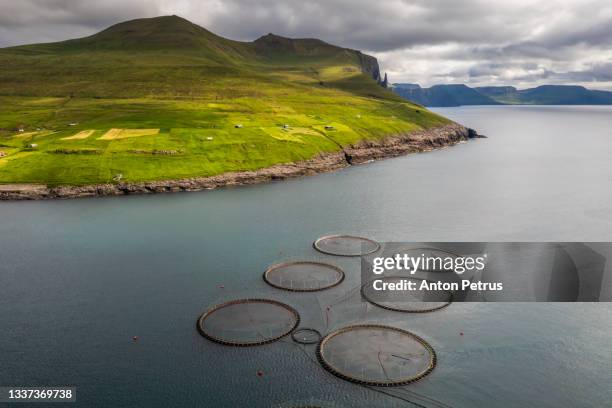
pixel 163 98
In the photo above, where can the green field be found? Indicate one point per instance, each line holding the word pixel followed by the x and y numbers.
pixel 190 89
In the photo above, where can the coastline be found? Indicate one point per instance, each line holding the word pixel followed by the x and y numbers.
pixel 392 146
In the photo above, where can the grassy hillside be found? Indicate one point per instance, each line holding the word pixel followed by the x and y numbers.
pixel 161 98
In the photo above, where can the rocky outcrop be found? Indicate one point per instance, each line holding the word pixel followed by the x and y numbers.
pixel 362 152
pixel 412 142
pixel 472 134
pixel 385 82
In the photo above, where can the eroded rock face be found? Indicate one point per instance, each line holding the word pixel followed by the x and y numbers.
pixel 369 65
pixel 362 152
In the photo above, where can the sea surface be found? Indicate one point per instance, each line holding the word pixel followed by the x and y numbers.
pixel 80 278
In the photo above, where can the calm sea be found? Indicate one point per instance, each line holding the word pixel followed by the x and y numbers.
pixel 79 278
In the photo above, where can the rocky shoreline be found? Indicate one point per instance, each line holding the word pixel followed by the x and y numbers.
pixel 363 152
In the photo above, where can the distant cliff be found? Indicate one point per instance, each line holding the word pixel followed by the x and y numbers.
pixel 457 95
pixel 443 95
pixel 548 95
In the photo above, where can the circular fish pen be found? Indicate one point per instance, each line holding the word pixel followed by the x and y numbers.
pixel 248 322
pixel 376 355
pixel 306 335
pixel 303 276
pixel 346 245
pixel 407 301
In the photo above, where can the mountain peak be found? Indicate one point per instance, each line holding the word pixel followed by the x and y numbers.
pixel 148 33
pixel 173 37
pixel 163 23
pixel 271 36
pixel 275 44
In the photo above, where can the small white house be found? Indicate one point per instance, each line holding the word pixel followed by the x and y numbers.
pixel 32 146
pixel 329 127
pixel 21 129
pixel 238 125
pixel 285 126
pixel 72 124
pixel 209 138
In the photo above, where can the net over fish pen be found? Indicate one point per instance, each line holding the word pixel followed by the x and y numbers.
pixel 376 355
pixel 306 335
pixel 346 245
pixel 248 322
pixel 303 276
pixel 409 301
pixel 309 403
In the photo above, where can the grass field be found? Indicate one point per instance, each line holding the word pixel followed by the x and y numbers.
pixel 90 112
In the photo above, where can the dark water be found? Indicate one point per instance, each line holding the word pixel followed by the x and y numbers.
pixel 79 278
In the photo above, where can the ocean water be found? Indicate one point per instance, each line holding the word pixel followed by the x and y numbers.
pixel 79 278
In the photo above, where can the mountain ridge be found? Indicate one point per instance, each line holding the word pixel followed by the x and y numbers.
pixel 449 95
pixel 443 95
pixel 168 35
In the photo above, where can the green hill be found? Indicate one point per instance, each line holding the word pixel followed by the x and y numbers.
pixel 163 98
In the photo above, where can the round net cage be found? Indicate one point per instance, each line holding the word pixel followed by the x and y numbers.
pixel 376 355
pixel 306 335
pixel 248 322
pixel 409 301
pixel 346 245
pixel 309 403
pixel 303 276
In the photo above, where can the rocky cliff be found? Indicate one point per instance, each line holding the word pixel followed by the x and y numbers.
pixel 369 65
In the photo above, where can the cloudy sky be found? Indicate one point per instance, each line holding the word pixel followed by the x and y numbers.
pixel 478 42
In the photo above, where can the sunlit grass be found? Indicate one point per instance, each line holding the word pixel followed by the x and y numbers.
pixel 90 109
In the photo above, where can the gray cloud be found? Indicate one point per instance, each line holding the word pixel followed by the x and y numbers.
pixel 517 42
